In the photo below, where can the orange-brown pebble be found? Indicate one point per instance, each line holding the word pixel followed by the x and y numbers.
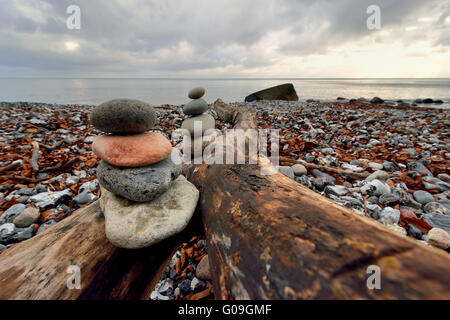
pixel 136 150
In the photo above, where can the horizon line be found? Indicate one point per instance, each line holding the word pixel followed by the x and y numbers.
pixel 231 78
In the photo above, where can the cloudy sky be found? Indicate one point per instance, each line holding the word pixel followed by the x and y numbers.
pixel 225 38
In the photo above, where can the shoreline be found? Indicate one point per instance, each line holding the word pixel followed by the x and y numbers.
pixel 407 143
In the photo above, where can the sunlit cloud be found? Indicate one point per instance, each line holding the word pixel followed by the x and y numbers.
pixel 71 45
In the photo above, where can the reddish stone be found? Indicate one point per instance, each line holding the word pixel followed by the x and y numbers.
pixel 132 150
pixel 405 213
pixel 203 271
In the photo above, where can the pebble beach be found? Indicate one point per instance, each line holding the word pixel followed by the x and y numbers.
pixel 384 161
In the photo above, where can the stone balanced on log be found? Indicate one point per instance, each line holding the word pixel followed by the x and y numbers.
pixel 144 197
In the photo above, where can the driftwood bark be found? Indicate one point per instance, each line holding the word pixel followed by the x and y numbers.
pixel 35 156
pixel 269 237
pixel 13 165
pixel 37 268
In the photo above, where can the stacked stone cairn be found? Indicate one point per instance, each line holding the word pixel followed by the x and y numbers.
pixel 144 197
pixel 198 117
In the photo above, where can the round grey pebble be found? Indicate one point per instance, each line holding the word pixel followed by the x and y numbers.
pixel 123 116
pixel 423 197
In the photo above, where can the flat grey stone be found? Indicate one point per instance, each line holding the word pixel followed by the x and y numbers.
pixel 135 225
pixel 45 200
pixel 437 220
pixel 336 190
pixel 45 225
pixel 11 213
pixel 195 107
pixel 287 171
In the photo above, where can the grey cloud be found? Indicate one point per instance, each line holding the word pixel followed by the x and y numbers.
pixel 127 36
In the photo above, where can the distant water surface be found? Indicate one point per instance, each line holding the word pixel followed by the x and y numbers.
pixel 174 91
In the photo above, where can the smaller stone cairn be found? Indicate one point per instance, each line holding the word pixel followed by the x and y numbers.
pixel 199 120
pixel 144 197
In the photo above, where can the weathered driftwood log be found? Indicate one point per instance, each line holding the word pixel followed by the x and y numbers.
pixel 37 268
pixel 13 165
pixel 271 238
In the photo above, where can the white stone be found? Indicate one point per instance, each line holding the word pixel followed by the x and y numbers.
pixel 135 225
pixel 438 238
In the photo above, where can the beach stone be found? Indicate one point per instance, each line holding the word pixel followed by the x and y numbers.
pixel 123 116
pixel 438 238
pixel 12 212
pixel 378 175
pixel 336 190
pixel 414 232
pixel 281 92
pixel 196 93
pixel 45 200
pixel 197 285
pixel 135 225
pixel 84 198
pixel 405 213
pixel 419 167
pixel 141 184
pixel 375 188
pixel 444 177
pixel 397 228
pixel 2 247
pixel 28 217
pixel 287 171
pixel 185 286
pixel 24 233
pixel 375 165
pixel 203 270
pixel 327 177
pixel 377 100
pixel 7 232
pixel 45 225
pixel 89 186
pixel 389 216
pixel 423 197
pixel 137 150
pixel 195 107
pixel 388 199
pixel 206 121
pixel 406 199
pixel 434 207
pixel 299 169
pixel 437 220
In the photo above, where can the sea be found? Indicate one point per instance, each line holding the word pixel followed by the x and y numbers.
pixel 174 91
